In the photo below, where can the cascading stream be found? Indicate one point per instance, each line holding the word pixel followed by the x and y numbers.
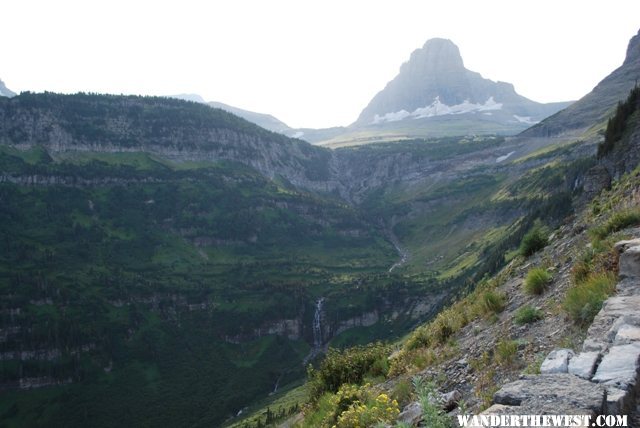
pixel 316 327
pixel 317 324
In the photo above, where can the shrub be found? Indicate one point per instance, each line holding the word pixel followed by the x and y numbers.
pixel 349 366
pixel 584 299
pixel 528 314
pixel 534 240
pixel 439 330
pixel 536 281
pixel 485 385
pixel 580 271
pixel 506 351
pixel 402 392
pixel 341 401
pixel 357 407
pixel 493 302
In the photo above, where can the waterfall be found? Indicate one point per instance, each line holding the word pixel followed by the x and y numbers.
pixel 317 324
pixel 318 339
pixel 275 388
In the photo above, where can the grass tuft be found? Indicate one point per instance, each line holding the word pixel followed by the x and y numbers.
pixel 506 352
pixel 585 298
pixel 493 302
pixel 618 221
pixel 528 314
pixel 536 281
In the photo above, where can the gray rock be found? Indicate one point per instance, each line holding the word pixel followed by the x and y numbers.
pixel 553 394
pixel 630 263
pixel 622 246
pixel 592 345
pixel 411 414
pixel 618 401
pixel 584 364
pixel 450 400
pixel 615 312
pixel 498 410
pixel 619 367
pixel 627 334
pixel 628 287
pixel 557 361
pixel 501 409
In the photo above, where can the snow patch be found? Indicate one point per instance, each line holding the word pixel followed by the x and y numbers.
pixel 504 157
pixel 298 134
pixel 525 119
pixel 437 108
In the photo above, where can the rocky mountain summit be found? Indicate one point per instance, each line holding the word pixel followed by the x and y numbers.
pixel 434 85
pixel 6 92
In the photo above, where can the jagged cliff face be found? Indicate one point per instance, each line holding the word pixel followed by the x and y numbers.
pixel 434 85
pixel 173 129
pixel 188 132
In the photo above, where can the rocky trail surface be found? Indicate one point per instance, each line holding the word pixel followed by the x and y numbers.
pixel 592 372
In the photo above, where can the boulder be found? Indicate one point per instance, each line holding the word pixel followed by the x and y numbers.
pixel 584 364
pixel 628 287
pixel 411 414
pixel 622 246
pixel 557 361
pixel 618 401
pixel 553 394
pixel 619 367
pixel 627 334
pixel 593 345
pixel 630 263
pixel 450 400
pixel 615 312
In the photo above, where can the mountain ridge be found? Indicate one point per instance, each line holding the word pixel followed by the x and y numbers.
pixel 598 104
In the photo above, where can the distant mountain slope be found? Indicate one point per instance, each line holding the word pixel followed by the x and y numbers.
pixel 435 92
pixel 6 92
pixel 263 120
pixel 175 129
pixel 266 121
pixel 597 105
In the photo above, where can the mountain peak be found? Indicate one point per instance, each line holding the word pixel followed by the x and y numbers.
pixel 437 56
pixel 633 49
pixel 433 85
pixel 6 92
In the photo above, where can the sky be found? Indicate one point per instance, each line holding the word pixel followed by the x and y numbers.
pixel 309 63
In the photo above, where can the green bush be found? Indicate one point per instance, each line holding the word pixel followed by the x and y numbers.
pixel 402 392
pixel 534 240
pixel 580 271
pixel 348 366
pixel 493 302
pixel 584 299
pixel 618 221
pixel 536 281
pixel 528 314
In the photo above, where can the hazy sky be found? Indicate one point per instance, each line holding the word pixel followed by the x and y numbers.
pixel 309 63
